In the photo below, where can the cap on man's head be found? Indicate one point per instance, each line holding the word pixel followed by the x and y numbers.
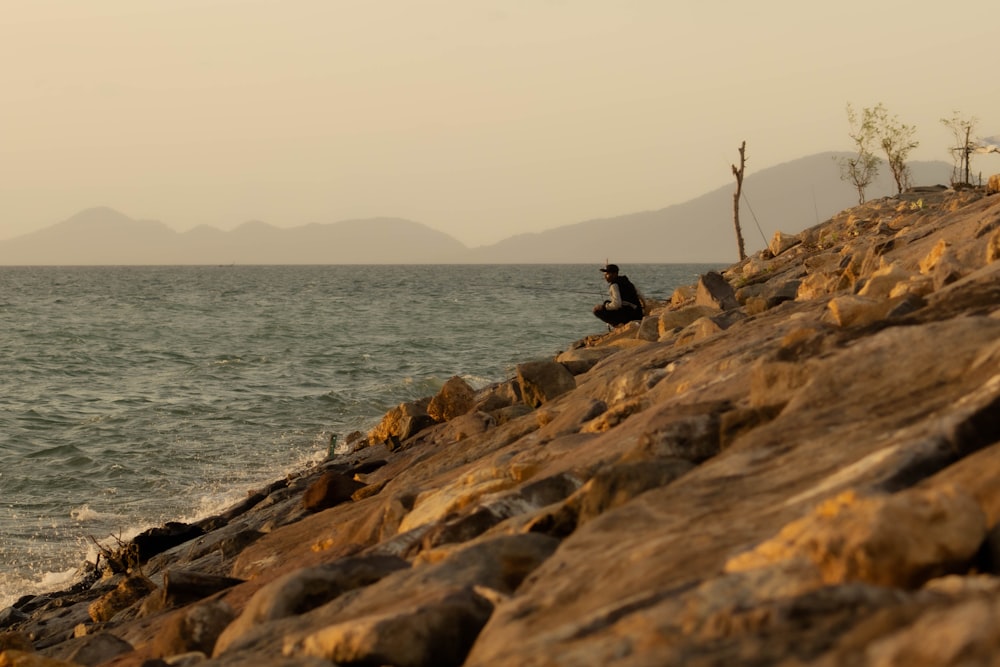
pixel 610 268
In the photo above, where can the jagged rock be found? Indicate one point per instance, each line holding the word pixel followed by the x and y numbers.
pixel 715 292
pixel 467 426
pixel 580 360
pixel 14 658
pixel 227 541
pixel 497 397
pixel 402 422
pixel 181 587
pixel 781 242
pixel 691 433
pixel 673 319
pixel 127 593
pixel 929 261
pixel 898 540
pixel 570 417
pixel 194 628
pixel 157 540
pixel 331 489
pixel 993 247
pixel 817 285
pixel 434 633
pixel 455 398
pixel 917 285
pixel 649 329
pixel 851 310
pixel 616 484
pixel 542 381
pixel 884 280
pixel 10 616
pixel 965 633
pixel 305 589
pixel 15 641
pixel 774 382
pixel 734 423
pixel 754 266
pixel 947 270
pixel 682 295
pixel 993 185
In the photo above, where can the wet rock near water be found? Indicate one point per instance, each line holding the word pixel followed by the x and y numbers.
pixel 792 461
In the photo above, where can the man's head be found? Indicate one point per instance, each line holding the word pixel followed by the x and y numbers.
pixel 610 271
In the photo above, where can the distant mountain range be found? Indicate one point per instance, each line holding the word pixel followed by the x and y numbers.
pixel 788 197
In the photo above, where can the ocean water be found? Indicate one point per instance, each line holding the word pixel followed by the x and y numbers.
pixel 132 396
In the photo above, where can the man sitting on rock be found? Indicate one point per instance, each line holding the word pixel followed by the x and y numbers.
pixel 625 304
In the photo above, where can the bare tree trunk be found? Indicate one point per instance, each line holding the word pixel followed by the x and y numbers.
pixel 738 173
pixel 967 149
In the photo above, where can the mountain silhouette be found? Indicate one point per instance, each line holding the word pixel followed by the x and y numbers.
pixel 788 197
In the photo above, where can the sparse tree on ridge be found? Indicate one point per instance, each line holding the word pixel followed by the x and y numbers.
pixel 861 169
pixel 897 141
pixel 964 146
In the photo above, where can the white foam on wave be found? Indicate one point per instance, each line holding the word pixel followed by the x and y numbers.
pixel 13 586
pixel 83 514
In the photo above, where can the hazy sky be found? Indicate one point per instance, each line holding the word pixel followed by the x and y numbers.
pixel 480 118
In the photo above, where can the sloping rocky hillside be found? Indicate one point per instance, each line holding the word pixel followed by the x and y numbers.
pixel 793 462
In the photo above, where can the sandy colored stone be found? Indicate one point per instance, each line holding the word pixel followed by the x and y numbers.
pixel 455 398
pixel 899 540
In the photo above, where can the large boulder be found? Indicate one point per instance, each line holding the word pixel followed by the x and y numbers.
pixel 714 291
pixel 434 633
pixel 899 540
pixel 193 628
pixel 332 488
pixel 542 381
pixel 455 398
pixel 127 593
pixel 781 242
pixel 402 422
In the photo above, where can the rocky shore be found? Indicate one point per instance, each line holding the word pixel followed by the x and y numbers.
pixel 792 462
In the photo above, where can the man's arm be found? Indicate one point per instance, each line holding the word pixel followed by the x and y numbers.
pixel 616 297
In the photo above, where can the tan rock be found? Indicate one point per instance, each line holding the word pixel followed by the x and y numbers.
pixel 853 310
pixel 582 359
pixel 193 628
pixel 305 589
pixel 993 247
pixel 715 292
pixel 455 398
pixel 818 285
pixel 967 633
pixel 542 381
pixel 782 242
pixel 993 185
pixel 95 649
pixel 332 488
pixel 929 261
pixel 682 295
pixel 754 266
pixel 401 422
pixel 14 658
pixel 15 641
pixel 775 382
pixel 917 285
pixel 649 329
pixel 896 540
pixel 673 319
pixel 435 633
pixel 882 282
pixel 127 593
